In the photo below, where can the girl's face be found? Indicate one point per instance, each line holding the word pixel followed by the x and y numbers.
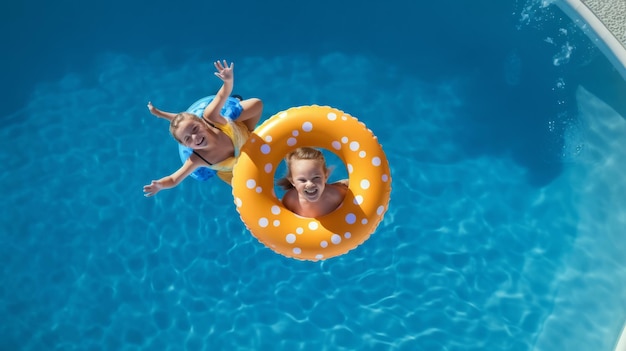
pixel 192 133
pixel 308 178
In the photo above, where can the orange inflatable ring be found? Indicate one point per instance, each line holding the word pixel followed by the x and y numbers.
pixel 328 236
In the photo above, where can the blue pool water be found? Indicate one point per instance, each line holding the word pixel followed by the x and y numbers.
pixel 503 128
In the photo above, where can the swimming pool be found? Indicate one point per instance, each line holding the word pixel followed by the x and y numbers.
pixel 502 126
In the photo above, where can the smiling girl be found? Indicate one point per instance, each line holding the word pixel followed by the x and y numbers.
pixel 308 193
pixel 215 139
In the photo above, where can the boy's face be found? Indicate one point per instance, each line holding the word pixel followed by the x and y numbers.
pixel 308 178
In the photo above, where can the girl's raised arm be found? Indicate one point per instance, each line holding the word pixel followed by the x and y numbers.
pixel 224 72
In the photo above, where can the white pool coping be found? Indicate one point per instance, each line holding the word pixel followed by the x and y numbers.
pixel 621 342
pixel 608 42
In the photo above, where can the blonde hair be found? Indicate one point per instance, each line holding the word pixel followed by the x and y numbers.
pixel 301 153
pixel 183 116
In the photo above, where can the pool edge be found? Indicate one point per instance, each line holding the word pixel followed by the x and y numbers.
pixel 621 342
pixel 614 50
pixel 597 31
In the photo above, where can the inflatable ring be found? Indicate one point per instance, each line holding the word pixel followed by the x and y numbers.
pixel 231 109
pixel 336 233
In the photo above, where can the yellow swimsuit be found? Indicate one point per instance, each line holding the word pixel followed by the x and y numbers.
pixel 238 133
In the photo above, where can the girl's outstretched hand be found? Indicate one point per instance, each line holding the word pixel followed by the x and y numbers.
pixel 153 110
pixel 152 188
pixel 224 72
pixel 161 114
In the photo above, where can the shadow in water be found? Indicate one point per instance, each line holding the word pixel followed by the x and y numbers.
pixel 602 79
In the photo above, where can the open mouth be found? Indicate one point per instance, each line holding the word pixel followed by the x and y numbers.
pixel 200 141
pixel 311 193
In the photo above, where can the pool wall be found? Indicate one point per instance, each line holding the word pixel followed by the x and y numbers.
pixel 604 21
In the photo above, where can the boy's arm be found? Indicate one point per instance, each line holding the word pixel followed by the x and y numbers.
pixel 161 114
pixel 213 111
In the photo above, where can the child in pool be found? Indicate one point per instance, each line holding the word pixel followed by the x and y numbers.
pixel 308 193
pixel 215 139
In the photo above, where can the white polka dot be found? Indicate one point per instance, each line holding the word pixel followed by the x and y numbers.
pixel 265 149
pixel 364 221
pixel 358 200
pixel 297 250
pixel 292 141
pixel 250 183
pixel 344 117
pixel 347 235
pixel 324 243
pixel 276 223
pixel 268 139
pixel 336 145
pixel 307 126
pixel 380 210
pixel 365 184
pixel 258 189
pixel 332 116
pixel 376 161
pixel 283 115
pixel 385 178
pixel 336 239
pixel 319 256
pixel 238 202
pixel 350 218
pixel 313 225
pixel 295 133
pixel 275 210
pixel 362 154
pixel 268 168
pixel 354 145
pixel 299 230
pixel 349 167
pixel 344 140
pixel 263 222
pixel 290 238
